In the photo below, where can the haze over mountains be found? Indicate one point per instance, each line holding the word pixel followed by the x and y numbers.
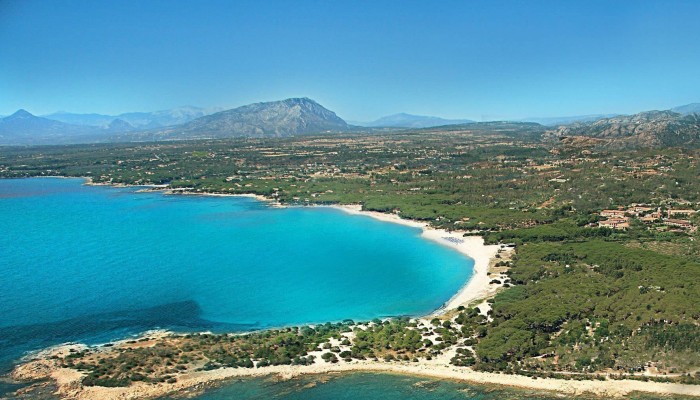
pixel 403 120
pixel 25 128
pixel 303 116
pixel 141 120
pixel 687 109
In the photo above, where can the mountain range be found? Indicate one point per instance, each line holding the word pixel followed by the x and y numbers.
pixel 24 128
pixel 139 120
pixel 303 116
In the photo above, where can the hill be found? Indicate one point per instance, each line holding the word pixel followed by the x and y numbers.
pixel 646 129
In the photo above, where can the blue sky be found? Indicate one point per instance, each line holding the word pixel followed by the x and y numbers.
pixel 483 60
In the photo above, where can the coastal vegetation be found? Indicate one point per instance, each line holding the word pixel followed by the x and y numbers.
pixel 580 301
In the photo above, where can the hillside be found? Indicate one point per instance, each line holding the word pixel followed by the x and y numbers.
pixel 646 129
pixel 298 116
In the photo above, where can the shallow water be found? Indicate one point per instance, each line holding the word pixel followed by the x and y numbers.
pixel 97 263
pixel 364 386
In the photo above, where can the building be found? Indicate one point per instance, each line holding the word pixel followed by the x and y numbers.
pixel 636 210
pixel 650 218
pixel 672 213
pixel 613 213
pixel 615 223
pixel 678 223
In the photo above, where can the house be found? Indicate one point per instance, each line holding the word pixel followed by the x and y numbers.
pixel 613 213
pixel 636 210
pixel 651 218
pixel 615 223
pixel 678 223
pixel 672 213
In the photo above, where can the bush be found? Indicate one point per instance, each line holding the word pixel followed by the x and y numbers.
pixel 329 357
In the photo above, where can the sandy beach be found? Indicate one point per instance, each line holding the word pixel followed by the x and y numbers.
pixel 69 386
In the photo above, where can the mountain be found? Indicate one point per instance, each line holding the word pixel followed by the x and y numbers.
pixel 141 120
pixel 687 109
pixel 646 129
pixel 298 116
pixel 24 128
pixel 403 120
pixel 119 125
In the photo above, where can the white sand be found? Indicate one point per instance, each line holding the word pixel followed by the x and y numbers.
pixel 477 287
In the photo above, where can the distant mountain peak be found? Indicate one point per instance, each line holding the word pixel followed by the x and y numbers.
pixel 23 127
pixel 21 113
pixel 119 125
pixel 297 100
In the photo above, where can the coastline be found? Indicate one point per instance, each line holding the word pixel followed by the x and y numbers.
pixel 69 383
pixel 477 286
pixel 179 191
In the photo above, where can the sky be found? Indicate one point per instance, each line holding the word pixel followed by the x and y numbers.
pixel 482 60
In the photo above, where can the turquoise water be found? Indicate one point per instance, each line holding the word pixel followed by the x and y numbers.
pixel 363 386
pixel 96 263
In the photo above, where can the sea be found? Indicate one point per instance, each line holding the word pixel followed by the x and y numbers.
pixel 94 264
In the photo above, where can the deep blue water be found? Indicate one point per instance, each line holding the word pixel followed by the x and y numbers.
pixel 86 263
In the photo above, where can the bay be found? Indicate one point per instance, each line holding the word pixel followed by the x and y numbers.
pixel 94 264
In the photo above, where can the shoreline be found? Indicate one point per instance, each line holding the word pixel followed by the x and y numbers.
pixel 477 286
pixel 70 386
pixel 177 191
